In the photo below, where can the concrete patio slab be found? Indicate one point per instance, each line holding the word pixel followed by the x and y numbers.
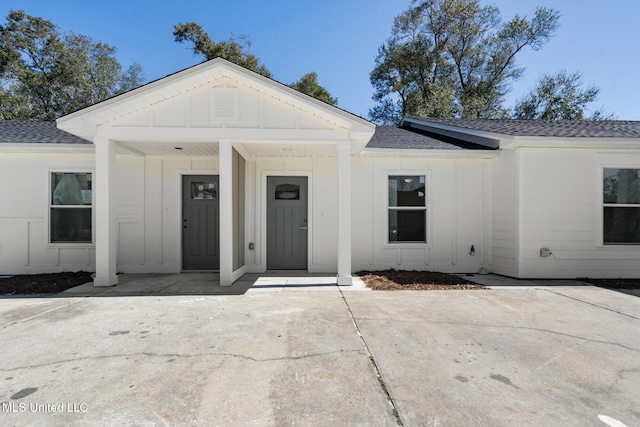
pixel 526 357
pixel 296 355
pixel 278 358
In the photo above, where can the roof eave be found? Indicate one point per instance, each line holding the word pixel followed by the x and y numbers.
pixel 487 139
pixel 430 153
pixel 46 147
pixel 79 123
pixel 570 142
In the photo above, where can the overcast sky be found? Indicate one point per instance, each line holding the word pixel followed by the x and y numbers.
pixel 339 39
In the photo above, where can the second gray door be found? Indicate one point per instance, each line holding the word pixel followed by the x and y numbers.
pixel 287 226
pixel 200 223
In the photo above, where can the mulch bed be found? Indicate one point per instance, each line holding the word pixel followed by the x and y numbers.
pixel 27 284
pixel 393 280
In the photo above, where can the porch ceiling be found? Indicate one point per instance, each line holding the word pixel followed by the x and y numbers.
pixel 166 148
pixel 209 149
pixel 288 150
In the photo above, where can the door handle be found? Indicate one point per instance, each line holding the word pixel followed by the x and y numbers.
pixel 304 227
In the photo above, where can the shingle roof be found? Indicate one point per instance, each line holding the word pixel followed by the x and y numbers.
pixel 31 131
pixel 399 138
pixel 549 128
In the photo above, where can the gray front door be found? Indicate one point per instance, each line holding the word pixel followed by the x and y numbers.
pixel 287 226
pixel 200 223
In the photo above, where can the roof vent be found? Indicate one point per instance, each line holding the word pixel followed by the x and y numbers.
pixel 224 105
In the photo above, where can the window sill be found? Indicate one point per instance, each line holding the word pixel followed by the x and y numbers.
pixel 70 245
pixel 407 245
pixel 618 247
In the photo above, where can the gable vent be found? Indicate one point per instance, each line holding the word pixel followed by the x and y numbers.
pixel 224 105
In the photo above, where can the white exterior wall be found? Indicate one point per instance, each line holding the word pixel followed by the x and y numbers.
pixel 149 210
pixel 322 213
pixel 24 214
pixel 504 219
pixel 562 211
pixel 458 212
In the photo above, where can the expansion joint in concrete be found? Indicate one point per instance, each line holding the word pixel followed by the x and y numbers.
pixel 374 365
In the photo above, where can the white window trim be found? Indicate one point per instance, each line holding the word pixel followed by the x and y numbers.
pixel 427 208
pixel 601 205
pixel 49 206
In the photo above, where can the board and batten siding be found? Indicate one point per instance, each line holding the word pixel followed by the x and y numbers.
pixel 148 212
pixel 457 215
pixel 24 214
pixel 562 211
pixel 504 219
pixel 322 213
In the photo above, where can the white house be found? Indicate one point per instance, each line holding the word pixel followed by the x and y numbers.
pixel 218 168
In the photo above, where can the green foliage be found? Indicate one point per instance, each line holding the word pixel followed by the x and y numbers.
pixel 233 50
pixel 308 85
pixel 452 58
pixel 238 51
pixel 46 74
pixel 559 96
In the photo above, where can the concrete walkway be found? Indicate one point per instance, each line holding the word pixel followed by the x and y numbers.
pixel 283 350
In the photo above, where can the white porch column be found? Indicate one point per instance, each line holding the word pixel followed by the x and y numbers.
pixel 225 167
pixel 104 186
pixel 344 214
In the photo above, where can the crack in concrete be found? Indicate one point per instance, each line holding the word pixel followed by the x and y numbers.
pixel 484 325
pixel 592 304
pixel 177 355
pixel 26 319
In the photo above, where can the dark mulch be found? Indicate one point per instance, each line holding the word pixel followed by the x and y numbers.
pixel 614 283
pixel 26 284
pixel 391 280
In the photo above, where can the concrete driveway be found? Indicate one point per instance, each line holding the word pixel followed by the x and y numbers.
pixel 300 354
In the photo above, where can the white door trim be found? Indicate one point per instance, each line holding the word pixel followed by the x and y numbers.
pixel 263 214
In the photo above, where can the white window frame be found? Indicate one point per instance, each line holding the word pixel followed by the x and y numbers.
pixel 51 206
pixel 426 208
pixel 603 205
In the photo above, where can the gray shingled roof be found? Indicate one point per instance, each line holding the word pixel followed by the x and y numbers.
pixel 398 138
pixel 550 128
pixel 31 131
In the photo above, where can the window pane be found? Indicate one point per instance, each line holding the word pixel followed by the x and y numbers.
pixel 621 225
pixel 407 191
pixel 407 226
pixel 71 225
pixel 621 186
pixel 203 191
pixel 287 192
pixel 70 189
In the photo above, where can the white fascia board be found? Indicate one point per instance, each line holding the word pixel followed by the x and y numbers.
pixel 571 142
pixel 140 91
pixel 427 153
pixel 203 74
pixel 42 147
pixel 301 101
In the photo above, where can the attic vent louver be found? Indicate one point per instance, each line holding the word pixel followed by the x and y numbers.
pixel 224 105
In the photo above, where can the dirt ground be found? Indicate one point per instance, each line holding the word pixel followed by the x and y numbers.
pixel 28 284
pixel 393 280
pixel 386 280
